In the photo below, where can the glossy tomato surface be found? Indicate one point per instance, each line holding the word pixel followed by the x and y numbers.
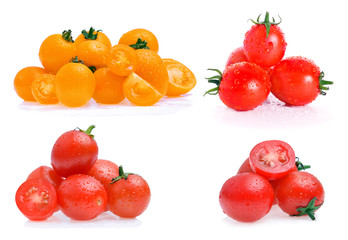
pixel 246 197
pixel 295 81
pixel 81 197
pixel 104 171
pixel 244 86
pixel 264 50
pixel 236 56
pixel 297 189
pixel 74 152
pixel 272 159
pixel 128 198
pixel 47 173
pixel 36 199
pixel 245 167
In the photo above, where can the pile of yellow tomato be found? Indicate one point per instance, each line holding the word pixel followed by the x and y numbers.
pixel 74 72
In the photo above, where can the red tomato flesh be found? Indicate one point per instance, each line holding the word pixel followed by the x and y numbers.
pixel 272 159
pixel 36 199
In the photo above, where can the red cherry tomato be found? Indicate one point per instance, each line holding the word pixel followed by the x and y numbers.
pixel 81 197
pixel 128 195
pixel 48 174
pixel 264 43
pixel 243 86
pixel 300 193
pixel 236 56
pixel 246 197
pixel 245 167
pixel 74 152
pixel 36 199
pixel 297 81
pixel 272 159
pixel 104 171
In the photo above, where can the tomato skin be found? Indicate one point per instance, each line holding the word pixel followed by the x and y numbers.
pixel 55 51
pixel 129 198
pixel 23 81
pixel 74 152
pixel 246 197
pixel 245 167
pixel 48 174
pixel 262 50
pixel 236 56
pixel 295 81
pixel 273 159
pixel 75 84
pixel 244 86
pixel 297 189
pixel 36 199
pixel 81 197
pixel 104 171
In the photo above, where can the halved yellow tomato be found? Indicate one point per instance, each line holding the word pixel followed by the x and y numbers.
pixel 181 79
pixel 139 91
pixel 43 89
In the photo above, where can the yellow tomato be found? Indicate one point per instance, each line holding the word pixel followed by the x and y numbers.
pixel 92 34
pixel 122 60
pixel 23 81
pixel 108 88
pixel 75 84
pixel 181 79
pixel 93 53
pixel 139 91
pixel 43 89
pixel 57 50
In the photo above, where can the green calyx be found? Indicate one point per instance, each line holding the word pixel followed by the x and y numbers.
pixel 122 175
pixel 300 166
pixel 67 36
pixel 309 210
pixel 88 131
pixel 77 60
pixel 323 83
pixel 140 44
pixel 90 34
pixel 216 80
pixel 267 22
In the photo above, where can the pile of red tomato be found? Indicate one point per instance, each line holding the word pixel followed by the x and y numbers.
pixel 271 175
pixel 258 68
pixel 81 185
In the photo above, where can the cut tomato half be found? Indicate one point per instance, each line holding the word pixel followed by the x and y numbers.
pixel 272 159
pixel 139 91
pixel 36 199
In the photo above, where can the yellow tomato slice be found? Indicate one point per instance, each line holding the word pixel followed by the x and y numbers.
pixel 43 89
pixel 139 91
pixel 181 79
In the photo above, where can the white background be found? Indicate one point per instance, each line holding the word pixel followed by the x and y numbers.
pixel 187 147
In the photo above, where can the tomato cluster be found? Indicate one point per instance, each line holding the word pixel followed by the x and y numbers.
pixel 271 175
pixel 258 68
pixel 74 72
pixel 81 185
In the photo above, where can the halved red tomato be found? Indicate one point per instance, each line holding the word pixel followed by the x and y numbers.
pixel 272 159
pixel 36 199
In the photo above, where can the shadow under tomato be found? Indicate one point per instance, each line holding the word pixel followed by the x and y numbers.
pixel 273 114
pixel 165 106
pixel 104 220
